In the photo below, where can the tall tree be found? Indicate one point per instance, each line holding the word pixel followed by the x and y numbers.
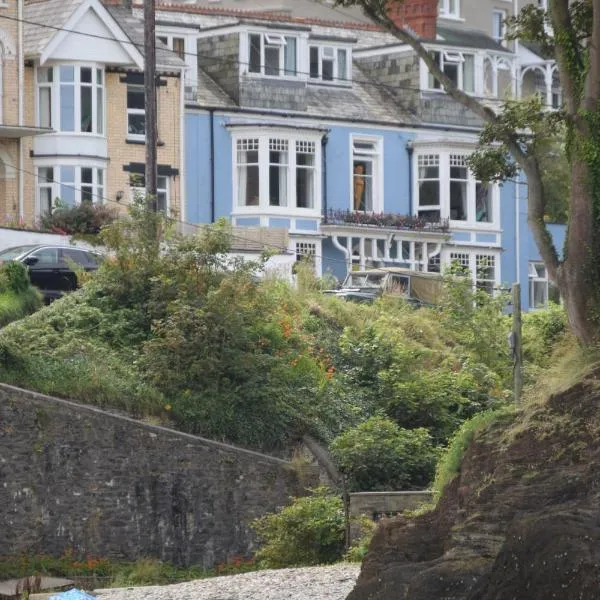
pixel 513 137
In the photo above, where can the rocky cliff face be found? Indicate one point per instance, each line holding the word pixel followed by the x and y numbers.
pixel 521 522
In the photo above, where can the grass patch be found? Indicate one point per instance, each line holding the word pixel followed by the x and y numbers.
pixel 16 305
pixel 449 465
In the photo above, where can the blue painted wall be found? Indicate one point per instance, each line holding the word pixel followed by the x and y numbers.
pixel 395 168
pixel 338 152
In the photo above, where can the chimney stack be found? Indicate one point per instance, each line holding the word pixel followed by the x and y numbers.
pixel 419 16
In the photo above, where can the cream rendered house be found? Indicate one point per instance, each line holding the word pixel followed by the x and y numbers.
pixel 82 94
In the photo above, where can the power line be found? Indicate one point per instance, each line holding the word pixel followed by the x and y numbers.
pixel 201 227
pixel 367 82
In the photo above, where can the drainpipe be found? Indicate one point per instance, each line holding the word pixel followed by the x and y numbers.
pixel 21 77
pixel 324 141
pixel 345 250
pixel 212 165
pixel 410 151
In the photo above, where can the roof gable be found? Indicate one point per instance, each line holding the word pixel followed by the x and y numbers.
pixel 82 30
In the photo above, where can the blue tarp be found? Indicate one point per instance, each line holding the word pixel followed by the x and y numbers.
pixel 73 594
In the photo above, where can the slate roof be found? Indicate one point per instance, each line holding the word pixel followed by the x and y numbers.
pixel 307 11
pixel 468 38
pixel 56 14
pixel 49 12
pixel 134 29
pixel 363 102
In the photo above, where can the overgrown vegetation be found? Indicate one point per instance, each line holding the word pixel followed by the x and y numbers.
pixel 84 219
pixel 17 297
pixel 384 385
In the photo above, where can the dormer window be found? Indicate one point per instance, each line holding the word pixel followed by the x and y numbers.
pixel 459 67
pixel 328 63
pixel 449 8
pixel 272 54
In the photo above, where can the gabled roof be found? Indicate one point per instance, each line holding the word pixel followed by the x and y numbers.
pixel 54 13
pixel 48 22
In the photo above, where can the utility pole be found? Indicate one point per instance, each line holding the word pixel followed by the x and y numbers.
pixel 150 101
pixel 517 343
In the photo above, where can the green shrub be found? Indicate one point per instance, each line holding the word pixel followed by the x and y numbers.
pixel 85 218
pixel 449 465
pixel 17 297
pixel 542 329
pixel 379 455
pixel 359 548
pixel 310 531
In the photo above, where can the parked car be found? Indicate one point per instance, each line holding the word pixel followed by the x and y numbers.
pixel 366 286
pixel 51 268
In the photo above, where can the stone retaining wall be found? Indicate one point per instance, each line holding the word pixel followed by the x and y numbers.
pixel 74 477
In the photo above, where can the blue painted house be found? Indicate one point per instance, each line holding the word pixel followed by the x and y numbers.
pixel 314 122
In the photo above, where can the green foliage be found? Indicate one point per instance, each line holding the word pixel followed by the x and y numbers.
pixel 309 531
pixel 542 330
pixel 17 297
pixel 449 465
pixel 84 218
pixel 379 455
pixel 360 547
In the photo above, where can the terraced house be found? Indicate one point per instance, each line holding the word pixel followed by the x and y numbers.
pixel 74 102
pixel 305 117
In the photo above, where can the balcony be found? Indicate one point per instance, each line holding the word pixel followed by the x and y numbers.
pixel 389 221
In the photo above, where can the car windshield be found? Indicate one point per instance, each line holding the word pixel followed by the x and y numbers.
pixel 12 253
pixel 364 280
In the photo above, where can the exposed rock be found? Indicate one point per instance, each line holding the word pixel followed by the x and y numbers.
pixel 522 521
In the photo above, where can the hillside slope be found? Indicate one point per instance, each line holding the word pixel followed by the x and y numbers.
pixel 521 521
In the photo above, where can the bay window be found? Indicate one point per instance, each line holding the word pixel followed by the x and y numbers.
pixel 429 187
pixel 68 185
pixel 276 171
pixel 481 268
pixel 328 63
pixel 70 98
pixel 272 54
pixel 459 67
pixel 447 189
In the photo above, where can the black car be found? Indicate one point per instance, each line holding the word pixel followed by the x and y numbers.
pixel 51 267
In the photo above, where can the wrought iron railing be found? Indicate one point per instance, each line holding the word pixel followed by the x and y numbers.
pixel 387 220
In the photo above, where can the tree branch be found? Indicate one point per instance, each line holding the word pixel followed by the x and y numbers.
pixel 529 164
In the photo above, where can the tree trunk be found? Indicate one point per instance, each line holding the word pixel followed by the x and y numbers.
pixel 577 273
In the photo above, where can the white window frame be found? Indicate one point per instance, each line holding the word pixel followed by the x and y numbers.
pixel 499 25
pixel 455 57
pixel 308 246
pixel 264 207
pixel 376 157
pixel 274 39
pixel 98 185
pixel 444 157
pixel 98 114
pixel 471 259
pixel 140 137
pixel 536 280
pixel 338 78
pixel 449 9
pixel 139 191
